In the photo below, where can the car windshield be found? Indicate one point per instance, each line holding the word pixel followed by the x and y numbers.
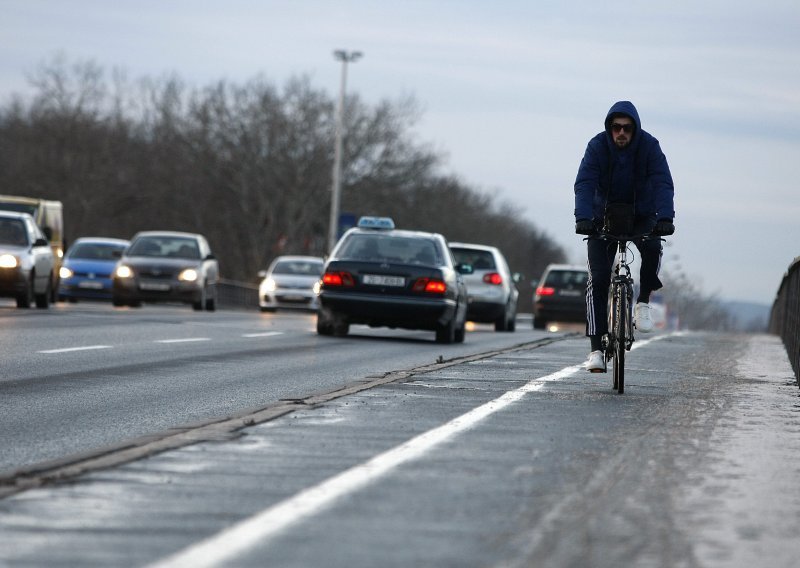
pixel 390 248
pixel 170 247
pixel 12 232
pixel 567 278
pixel 298 268
pixel 95 251
pixel 18 207
pixel 478 259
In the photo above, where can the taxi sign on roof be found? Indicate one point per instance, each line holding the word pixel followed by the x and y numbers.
pixel 384 223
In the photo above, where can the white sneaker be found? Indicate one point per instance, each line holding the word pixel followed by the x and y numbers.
pixel 596 362
pixel 642 319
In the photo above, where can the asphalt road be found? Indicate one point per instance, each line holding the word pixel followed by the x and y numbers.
pixel 84 376
pixel 516 459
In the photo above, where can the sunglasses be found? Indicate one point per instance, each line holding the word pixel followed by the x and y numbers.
pixel 617 128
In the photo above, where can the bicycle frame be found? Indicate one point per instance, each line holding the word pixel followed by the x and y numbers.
pixel 619 338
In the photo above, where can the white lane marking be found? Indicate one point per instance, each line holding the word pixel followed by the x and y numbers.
pixel 257 529
pixel 186 340
pixel 68 349
pixel 264 334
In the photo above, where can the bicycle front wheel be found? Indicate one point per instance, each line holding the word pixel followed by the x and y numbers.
pixel 621 317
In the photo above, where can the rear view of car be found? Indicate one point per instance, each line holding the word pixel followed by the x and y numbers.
pixel 560 295
pixel 490 287
pixel 290 282
pixel 383 277
pixel 87 268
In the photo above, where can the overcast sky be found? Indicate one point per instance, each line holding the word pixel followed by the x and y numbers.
pixel 510 92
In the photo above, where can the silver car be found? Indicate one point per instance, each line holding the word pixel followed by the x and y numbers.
pixel 26 261
pixel 491 287
pixel 167 266
pixel 290 282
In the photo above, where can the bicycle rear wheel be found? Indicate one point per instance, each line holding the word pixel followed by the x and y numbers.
pixel 621 316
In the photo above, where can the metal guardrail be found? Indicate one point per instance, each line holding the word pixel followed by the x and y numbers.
pixel 233 294
pixel 785 316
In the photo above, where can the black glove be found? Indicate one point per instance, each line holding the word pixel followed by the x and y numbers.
pixel 585 227
pixel 664 227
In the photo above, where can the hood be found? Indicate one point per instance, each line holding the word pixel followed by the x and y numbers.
pixel 626 108
pixel 90 265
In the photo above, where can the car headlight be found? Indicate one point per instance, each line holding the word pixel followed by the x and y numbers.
pixel 188 275
pixel 8 261
pixel 123 271
pixel 65 272
pixel 269 285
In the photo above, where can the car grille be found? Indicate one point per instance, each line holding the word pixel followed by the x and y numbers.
pixel 156 273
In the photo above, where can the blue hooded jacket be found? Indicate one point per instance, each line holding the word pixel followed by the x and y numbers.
pixel 636 174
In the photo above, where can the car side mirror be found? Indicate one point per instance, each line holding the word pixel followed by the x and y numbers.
pixel 464 268
pixel 262 274
pixel 116 253
pixel 517 277
pixel 534 283
pixel 41 243
pixel 210 256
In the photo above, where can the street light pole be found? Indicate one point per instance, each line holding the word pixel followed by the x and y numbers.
pixel 345 58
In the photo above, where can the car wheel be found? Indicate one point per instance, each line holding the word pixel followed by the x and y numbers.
pixel 502 323
pixel 201 303
pixel 211 301
pixel 331 323
pixel 117 302
pixel 447 332
pixel 539 323
pixel 461 332
pixel 340 326
pixel 512 323
pixel 43 300
pixel 25 298
pixel 268 310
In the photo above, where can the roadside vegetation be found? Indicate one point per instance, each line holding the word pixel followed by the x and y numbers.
pixel 249 166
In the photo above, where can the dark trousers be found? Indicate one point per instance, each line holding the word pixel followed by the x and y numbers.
pixel 601 263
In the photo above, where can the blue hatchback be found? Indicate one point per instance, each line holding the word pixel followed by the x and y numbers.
pixel 87 268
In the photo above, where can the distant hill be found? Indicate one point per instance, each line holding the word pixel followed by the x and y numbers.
pixel 748 316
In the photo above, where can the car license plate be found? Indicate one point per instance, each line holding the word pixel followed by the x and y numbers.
pixel 571 293
pixel 154 286
pixel 379 280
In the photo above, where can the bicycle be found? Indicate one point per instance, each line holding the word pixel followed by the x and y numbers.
pixel 619 338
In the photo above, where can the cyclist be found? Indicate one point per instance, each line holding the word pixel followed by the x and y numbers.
pixel 624 185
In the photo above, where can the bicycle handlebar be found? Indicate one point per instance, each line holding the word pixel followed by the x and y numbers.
pixel 623 238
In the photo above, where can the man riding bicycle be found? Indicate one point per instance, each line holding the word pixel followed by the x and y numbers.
pixel 624 186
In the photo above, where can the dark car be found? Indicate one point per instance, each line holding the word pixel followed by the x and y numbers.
pixel 560 295
pixel 491 285
pixel 384 277
pixel 26 261
pixel 87 268
pixel 167 266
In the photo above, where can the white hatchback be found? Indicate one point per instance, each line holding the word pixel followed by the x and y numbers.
pixel 491 287
pixel 290 282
